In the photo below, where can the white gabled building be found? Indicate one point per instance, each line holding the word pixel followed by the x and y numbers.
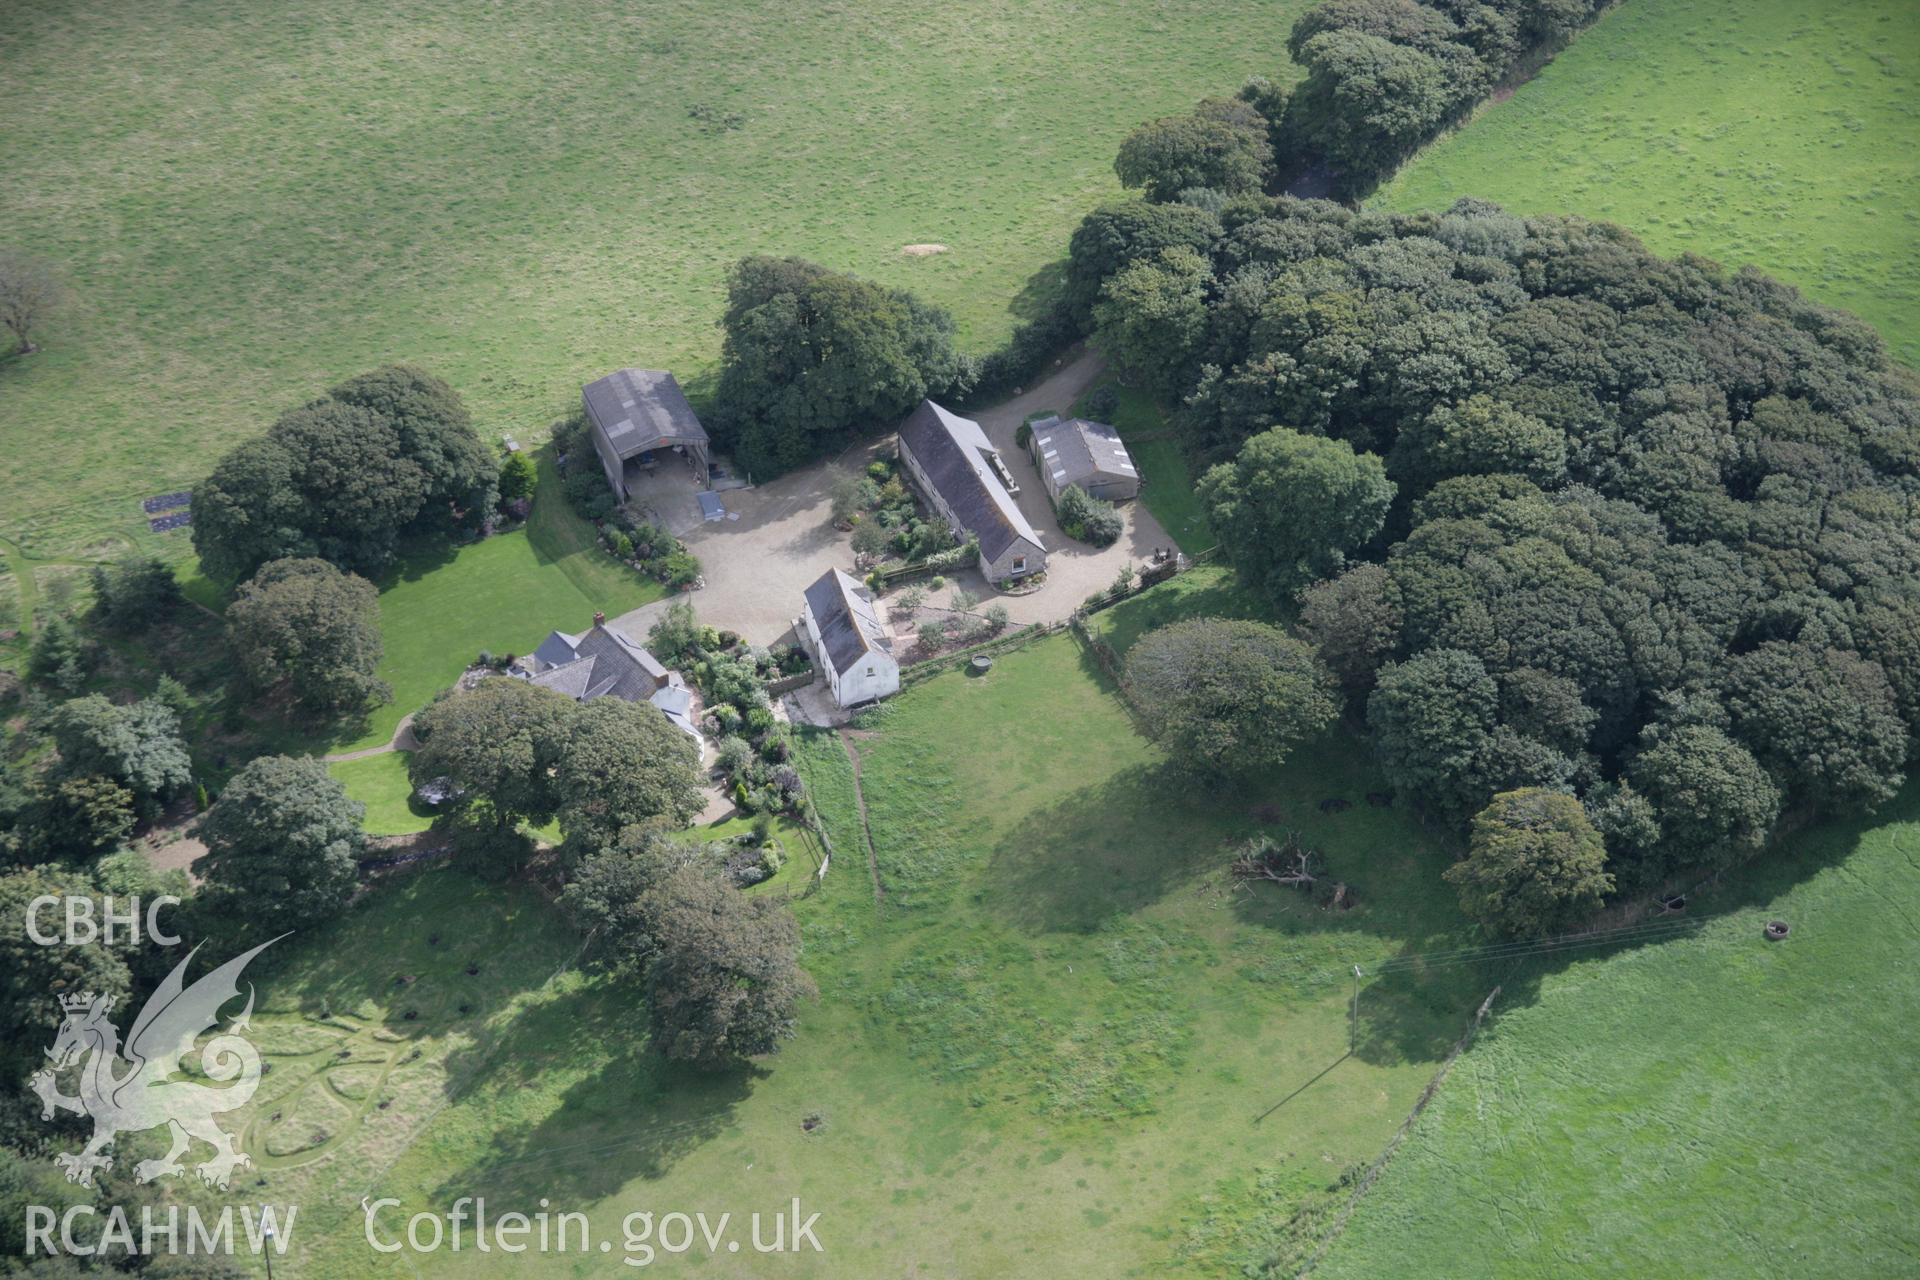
pixel 849 644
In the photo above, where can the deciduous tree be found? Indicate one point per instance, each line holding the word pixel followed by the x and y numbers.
pixel 30 291
pixel 1222 144
pixel 812 355
pixel 724 982
pixel 498 743
pixel 1225 697
pixel 304 624
pixel 1291 507
pixel 138 746
pixel 1536 865
pixel 283 845
pixel 623 763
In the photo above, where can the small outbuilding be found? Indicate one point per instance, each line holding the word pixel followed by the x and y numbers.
pixel 638 418
pixel 965 480
pixel 850 646
pixel 1089 454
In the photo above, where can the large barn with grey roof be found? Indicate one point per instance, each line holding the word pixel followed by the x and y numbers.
pixel 638 416
pixel 1075 451
pixel 963 477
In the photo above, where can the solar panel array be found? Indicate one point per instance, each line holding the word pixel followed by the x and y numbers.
pixel 166 501
pixel 160 524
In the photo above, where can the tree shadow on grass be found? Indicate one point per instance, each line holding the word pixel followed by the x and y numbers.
pixel 1100 852
pixel 1040 292
pixel 419 557
pixel 634 1116
pixel 1442 988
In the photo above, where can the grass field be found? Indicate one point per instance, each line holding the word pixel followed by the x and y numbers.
pixel 1043 1051
pixel 252 202
pixel 1719 1105
pixel 1764 132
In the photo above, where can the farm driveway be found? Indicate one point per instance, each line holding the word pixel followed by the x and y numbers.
pixel 756 566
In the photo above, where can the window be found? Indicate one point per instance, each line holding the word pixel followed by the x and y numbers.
pixel 869 670
pixel 1019 564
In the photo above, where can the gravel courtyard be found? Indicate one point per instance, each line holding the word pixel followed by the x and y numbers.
pixel 757 565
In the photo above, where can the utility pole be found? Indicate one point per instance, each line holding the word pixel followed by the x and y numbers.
pixel 1353 1019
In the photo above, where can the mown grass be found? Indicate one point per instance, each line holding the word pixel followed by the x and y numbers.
pixel 253 202
pixel 1719 1105
pixel 380 783
pixel 441 607
pixel 1762 132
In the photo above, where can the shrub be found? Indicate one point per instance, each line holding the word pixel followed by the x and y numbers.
pixel 732 753
pixel 1023 436
pixel 870 537
pixel 677 636
pixel 587 493
pixel 759 720
pixel 996 618
pixel 1087 518
pixel 932 633
pixel 1101 403
pixel 518 475
pixel 620 544
pixel 1027 352
pixel 880 470
pixel 680 570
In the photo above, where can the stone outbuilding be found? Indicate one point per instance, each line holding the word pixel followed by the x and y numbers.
pixel 964 479
pixel 1089 454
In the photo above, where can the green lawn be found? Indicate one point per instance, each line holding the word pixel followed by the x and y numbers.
pixel 1166 479
pixel 1716 1106
pixel 441 607
pixel 254 201
pixel 380 783
pixel 1765 132
pixel 1208 591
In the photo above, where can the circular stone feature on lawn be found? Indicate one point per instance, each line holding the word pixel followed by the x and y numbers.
pixel 1777 929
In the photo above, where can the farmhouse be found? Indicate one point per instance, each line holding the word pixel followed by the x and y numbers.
pixel 849 643
pixel 638 415
pixel 599 663
pixel 1089 454
pixel 963 478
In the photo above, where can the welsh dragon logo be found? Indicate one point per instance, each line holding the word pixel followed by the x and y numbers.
pixel 135 1091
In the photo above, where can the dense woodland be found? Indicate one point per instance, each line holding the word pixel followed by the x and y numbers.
pixel 1581 518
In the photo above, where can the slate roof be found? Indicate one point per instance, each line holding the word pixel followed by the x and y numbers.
pixel 596 664
pixel 953 452
pixel 641 409
pixel 1076 450
pixel 849 628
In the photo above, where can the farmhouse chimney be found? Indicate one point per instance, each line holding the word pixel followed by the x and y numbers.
pixel 599 619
